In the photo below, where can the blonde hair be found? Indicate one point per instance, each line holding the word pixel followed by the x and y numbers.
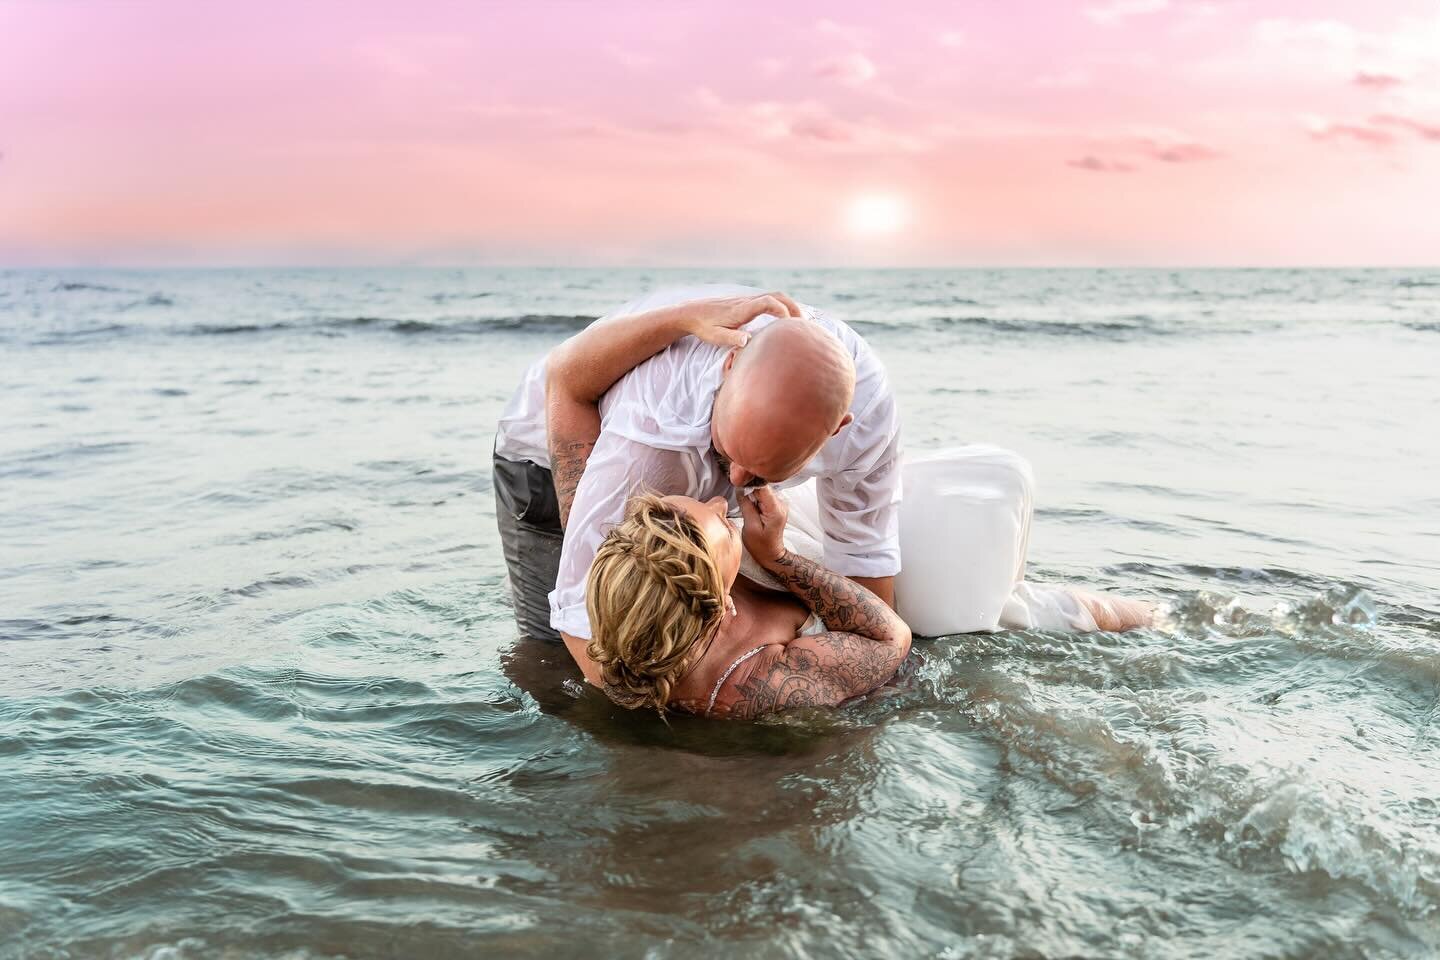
pixel 655 598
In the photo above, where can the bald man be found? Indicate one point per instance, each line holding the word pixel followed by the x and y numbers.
pixel 790 395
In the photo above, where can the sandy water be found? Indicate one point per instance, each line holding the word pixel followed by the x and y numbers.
pixel 260 694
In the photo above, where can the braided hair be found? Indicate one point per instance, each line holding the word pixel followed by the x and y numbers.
pixel 655 598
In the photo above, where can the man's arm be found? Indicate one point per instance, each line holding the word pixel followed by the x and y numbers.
pixel 861 521
pixel 580 370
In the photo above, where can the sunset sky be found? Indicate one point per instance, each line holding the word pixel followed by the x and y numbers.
pixel 1025 132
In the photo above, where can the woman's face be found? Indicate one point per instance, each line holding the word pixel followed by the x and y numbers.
pixel 722 535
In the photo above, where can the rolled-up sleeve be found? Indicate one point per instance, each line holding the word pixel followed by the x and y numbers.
pixel 860 505
pixel 618 467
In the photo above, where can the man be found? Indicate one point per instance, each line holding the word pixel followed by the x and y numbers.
pixel 789 395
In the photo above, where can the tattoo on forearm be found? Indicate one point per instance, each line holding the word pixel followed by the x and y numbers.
pixel 855 658
pixel 841 602
pixel 567 466
pixel 844 666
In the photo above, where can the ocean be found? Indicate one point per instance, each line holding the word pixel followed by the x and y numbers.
pixel 261 695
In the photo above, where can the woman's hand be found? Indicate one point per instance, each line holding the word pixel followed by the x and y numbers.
pixel 765 515
pixel 718 320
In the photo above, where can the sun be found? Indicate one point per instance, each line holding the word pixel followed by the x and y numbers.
pixel 876 214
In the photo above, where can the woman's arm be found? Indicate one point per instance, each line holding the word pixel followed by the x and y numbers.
pixel 580 370
pixel 865 645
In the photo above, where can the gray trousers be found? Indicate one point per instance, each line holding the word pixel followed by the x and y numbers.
pixel 528 515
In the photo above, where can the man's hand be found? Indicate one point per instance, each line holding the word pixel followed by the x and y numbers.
pixel 717 321
pixel 580 370
pixel 765 516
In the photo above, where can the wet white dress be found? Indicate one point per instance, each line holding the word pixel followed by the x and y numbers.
pixel 964 530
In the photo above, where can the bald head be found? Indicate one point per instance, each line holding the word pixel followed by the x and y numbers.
pixel 784 395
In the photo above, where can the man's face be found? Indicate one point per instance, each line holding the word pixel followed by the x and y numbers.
pixel 759 446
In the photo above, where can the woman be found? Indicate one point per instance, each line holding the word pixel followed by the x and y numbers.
pixel 677 627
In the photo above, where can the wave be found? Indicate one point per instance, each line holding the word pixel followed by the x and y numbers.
pixel 333 326
pixel 1119 328
pixel 1165 757
pixel 154 300
pixel 71 287
pixel 529 322
pixel 447 297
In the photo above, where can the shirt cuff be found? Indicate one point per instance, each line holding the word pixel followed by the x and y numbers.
pixel 883 561
pixel 573 619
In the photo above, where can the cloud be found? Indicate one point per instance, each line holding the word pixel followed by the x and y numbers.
pixel 952 39
pixel 769 122
pixel 851 69
pixel 1100 165
pixel 1118 10
pixel 1332 49
pixel 1373 131
pixel 1333 132
pixel 1428 131
pixel 1185 152
pixel 823 128
pixel 1376 81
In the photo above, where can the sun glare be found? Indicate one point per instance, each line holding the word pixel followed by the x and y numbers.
pixel 876 214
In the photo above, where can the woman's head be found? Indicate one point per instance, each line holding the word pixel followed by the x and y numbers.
pixel 657 593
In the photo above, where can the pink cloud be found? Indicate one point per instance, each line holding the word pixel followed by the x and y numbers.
pixel 1429 131
pixel 1376 81
pixel 1180 152
pixel 1352 131
pixel 1100 165
pixel 851 69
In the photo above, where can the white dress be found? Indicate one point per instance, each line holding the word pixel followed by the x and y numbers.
pixel 964 529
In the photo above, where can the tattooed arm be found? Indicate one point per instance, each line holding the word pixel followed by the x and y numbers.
pixel 866 643
pixel 580 370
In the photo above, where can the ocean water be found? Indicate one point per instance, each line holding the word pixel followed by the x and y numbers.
pixel 260 694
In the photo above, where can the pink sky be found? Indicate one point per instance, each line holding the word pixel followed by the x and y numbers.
pixel 1024 132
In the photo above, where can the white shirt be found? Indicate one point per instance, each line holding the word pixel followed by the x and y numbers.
pixel 655 435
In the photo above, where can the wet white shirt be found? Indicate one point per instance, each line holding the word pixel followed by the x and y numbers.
pixel 655 435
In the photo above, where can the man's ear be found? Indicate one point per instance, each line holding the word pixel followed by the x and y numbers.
pixel 844 422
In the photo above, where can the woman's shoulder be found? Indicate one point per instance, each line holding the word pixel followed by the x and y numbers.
pixel 759 634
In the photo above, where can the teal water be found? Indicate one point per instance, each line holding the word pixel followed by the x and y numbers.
pixel 260 695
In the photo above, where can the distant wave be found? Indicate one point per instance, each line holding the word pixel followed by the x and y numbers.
pixel 1114 329
pixel 447 297
pixel 329 326
pixel 154 300
pixel 69 287
pixel 530 322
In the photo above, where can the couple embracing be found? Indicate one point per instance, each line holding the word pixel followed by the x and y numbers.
pixel 701 495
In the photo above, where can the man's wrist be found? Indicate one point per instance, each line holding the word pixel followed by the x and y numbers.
pixel 681 321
